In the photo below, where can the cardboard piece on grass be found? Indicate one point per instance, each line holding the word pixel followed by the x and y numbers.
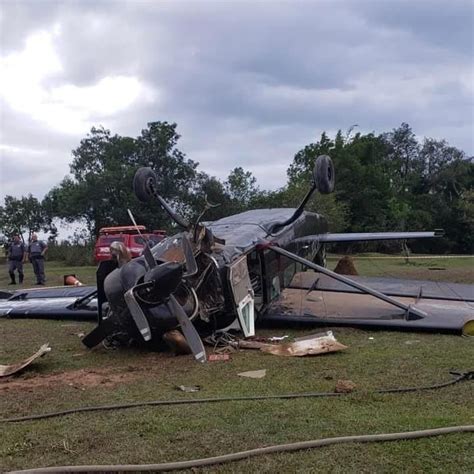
pixel 254 374
pixel 314 344
pixel 6 370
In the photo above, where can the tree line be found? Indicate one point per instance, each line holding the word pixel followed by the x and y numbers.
pixel 390 181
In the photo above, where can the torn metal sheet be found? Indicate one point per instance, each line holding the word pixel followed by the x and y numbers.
pixel 309 345
pixel 6 370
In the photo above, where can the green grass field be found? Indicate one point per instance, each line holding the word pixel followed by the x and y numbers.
pixel 72 376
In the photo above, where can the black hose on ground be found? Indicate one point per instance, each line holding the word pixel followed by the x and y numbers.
pixel 469 375
pixel 171 466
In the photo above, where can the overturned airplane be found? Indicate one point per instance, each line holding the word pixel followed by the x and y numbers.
pixel 229 273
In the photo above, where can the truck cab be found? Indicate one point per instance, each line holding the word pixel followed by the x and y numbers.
pixel 132 237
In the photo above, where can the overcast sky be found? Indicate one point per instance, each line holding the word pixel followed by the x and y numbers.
pixel 248 83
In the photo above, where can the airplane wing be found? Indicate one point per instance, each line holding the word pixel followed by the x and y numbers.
pixel 313 299
pixel 64 302
pixel 365 236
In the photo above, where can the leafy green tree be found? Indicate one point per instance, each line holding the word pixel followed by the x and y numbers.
pixel 23 215
pixel 303 162
pixel 383 182
pixel 99 189
pixel 211 200
pixel 403 156
pixel 362 186
pixel 436 155
pixel 242 186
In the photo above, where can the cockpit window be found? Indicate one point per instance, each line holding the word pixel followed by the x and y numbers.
pixel 169 249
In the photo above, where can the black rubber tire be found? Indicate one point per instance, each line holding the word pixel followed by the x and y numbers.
pixel 324 176
pixel 143 181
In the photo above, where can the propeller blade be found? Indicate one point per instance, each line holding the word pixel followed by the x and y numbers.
pixel 189 331
pixel 138 315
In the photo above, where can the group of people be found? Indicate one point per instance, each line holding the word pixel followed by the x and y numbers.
pixel 18 253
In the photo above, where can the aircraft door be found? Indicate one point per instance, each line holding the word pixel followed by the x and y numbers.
pixel 242 293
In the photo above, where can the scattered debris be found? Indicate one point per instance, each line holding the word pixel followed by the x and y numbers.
pixel 254 374
pixel 413 341
pixel 81 334
pixel 346 266
pixel 6 370
pixel 371 338
pixel 277 339
pixel 345 386
pixel 218 357
pixel 67 447
pixel 220 339
pixel 258 339
pixel 314 344
pixel 253 344
pixel 190 389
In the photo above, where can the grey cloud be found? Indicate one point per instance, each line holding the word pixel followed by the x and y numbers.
pixel 221 69
pixel 19 18
pixel 448 25
pixel 23 172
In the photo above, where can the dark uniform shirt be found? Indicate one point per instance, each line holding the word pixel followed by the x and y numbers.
pixel 36 248
pixel 16 251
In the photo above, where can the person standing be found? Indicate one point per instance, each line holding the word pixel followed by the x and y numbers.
pixel 36 252
pixel 16 256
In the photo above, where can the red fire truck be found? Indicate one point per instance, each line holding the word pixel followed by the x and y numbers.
pixel 129 235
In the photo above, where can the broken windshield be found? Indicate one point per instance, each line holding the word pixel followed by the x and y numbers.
pixel 169 249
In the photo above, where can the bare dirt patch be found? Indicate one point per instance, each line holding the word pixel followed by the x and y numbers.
pixel 83 378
